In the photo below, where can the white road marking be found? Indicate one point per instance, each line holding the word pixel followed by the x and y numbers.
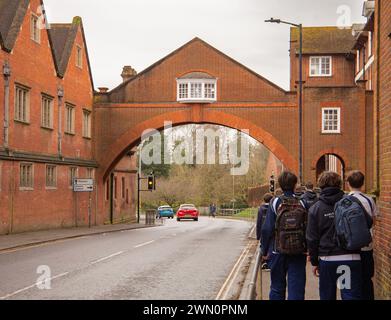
pixel 235 270
pixel 144 244
pixel 32 286
pixel 108 257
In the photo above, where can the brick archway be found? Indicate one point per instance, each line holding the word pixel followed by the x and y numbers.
pixel 133 135
pixel 337 152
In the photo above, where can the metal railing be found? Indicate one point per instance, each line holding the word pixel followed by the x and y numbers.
pixel 228 212
pixel 255 285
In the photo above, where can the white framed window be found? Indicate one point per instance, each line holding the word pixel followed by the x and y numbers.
pixel 183 90
pixel 79 57
pixel 86 123
pixel 73 174
pixel 47 112
pixel 22 104
pixel 196 90
pixel 26 178
pixel 321 66
pixel 69 118
pixel 51 177
pixel 331 120
pixel 35 31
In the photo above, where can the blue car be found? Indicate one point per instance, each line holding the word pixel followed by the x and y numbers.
pixel 165 211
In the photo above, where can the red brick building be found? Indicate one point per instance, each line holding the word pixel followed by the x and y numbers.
pixel 46 93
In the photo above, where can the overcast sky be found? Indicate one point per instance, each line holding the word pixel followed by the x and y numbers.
pixel 140 32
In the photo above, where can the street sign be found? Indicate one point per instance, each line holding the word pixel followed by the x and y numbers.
pixel 83 185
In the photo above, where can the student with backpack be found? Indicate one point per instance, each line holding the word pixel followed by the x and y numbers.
pixel 355 181
pixel 283 241
pixel 309 197
pixel 329 253
pixel 261 220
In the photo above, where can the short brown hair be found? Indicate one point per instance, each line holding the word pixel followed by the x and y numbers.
pixel 267 197
pixel 356 179
pixel 287 181
pixel 329 179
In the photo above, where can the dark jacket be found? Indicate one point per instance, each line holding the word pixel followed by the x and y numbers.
pixel 262 211
pixel 309 198
pixel 321 239
pixel 268 228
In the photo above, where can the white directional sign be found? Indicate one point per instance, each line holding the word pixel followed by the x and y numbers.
pixel 83 185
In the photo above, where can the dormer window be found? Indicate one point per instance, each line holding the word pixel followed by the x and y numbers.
pixel 197 87
pixel 320 66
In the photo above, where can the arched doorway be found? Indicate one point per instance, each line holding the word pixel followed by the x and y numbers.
pixel 330 162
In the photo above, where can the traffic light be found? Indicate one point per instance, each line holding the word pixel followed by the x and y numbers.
pixel 151 183
pixel 272 185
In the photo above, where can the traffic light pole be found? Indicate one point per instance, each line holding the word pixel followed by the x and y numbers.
pixel 139 178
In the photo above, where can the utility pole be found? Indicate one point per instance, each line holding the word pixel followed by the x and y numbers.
pixel 300 27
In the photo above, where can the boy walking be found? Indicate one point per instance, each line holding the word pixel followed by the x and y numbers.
pixel 355 180
pixel 283 241
pixel 262 212
pixel 330 261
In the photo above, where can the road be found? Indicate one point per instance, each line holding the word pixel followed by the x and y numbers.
pixel 181 260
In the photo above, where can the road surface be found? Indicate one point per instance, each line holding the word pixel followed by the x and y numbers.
pixel 181 260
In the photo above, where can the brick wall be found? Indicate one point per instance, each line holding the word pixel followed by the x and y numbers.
pixel 124 193
pixel 348 145
pixel 383 223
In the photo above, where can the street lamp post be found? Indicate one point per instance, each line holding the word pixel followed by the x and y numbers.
pixel 300 26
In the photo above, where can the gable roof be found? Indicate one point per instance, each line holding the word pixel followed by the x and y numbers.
pixel 196 39
pixel 324 40
pixel 62 38
pixel 11 18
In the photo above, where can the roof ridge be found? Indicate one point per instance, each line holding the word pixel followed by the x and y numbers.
pixel 195 39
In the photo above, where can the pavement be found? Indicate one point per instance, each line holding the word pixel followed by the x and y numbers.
pixel 184 260
pixel 263 283
pixel 18 240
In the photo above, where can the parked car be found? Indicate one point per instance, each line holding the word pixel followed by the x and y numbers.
pixel 165 211
pixel 187 211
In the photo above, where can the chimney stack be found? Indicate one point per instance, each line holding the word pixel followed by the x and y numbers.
pixel 128 73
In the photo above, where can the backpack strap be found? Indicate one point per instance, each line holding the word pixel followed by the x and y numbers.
pixel 367 215
pixel 368 200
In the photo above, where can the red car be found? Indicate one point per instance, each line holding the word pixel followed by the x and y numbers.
pixel 187 211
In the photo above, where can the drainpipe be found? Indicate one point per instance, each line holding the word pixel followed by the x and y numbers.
pixel 7 75
pixel 60 95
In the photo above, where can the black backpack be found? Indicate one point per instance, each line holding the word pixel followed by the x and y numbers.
pixel 291 226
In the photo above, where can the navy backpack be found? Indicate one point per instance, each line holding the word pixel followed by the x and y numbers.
pixel 352 224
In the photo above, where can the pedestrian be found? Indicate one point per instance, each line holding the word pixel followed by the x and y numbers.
pixel 212 210
pixel 309 197
pixel 330 260
pixel 261 218
pixel 283 241
pixel 355 181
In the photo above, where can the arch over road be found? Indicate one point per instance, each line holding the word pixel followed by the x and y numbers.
pixel 131 137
